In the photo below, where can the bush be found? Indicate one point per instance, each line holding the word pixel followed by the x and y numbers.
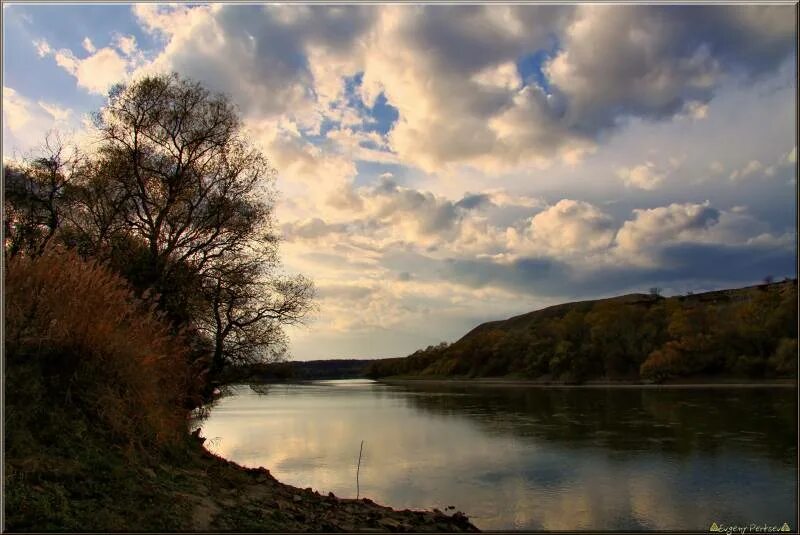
pixel 664 363
pixel 93 346
pixel 784 361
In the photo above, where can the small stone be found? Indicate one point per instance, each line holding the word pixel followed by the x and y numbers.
pixel 297 498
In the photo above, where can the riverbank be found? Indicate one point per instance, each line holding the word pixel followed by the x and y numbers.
pixel 541 383
pixel 229 497
pixel 84 483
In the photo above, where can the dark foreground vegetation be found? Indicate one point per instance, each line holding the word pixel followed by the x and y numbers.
pixel 748 333
pixel 133 277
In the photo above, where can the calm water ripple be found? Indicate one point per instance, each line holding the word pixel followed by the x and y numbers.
pixel 527 458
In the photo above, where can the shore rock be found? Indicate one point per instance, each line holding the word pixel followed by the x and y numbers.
pixel 262 503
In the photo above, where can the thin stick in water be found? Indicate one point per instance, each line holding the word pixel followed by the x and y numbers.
pixel 358 489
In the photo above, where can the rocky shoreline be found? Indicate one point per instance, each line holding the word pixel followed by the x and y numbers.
pixel 229 497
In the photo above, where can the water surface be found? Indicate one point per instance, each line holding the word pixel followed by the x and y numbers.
pixel 527 458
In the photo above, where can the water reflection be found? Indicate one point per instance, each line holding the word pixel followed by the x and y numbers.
pixel 521 458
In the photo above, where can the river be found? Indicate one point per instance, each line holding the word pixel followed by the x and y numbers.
pixel 527 458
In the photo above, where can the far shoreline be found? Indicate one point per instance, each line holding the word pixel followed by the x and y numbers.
pixel 534 383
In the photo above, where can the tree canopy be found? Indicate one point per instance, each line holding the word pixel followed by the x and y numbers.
pixel 176 199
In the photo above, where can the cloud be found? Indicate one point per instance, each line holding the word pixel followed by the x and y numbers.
pixel 648 175
pixel 57 112
pixel 656 226
pixel 269 58
pixel 15 109
pixel 753 167
pixel 649 238
pixel 126 44
pixel 42 47
pixel 757 169
pixel 98 71
pixel 658 61
pixel 567 227
pixel 26 122
pixel 453 72
pixel 686 266
pixel 311 229
pixel 360 145
pixel 421 215
pixel 474 200
pixel 643 176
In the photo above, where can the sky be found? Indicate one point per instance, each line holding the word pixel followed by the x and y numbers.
pixel 441 166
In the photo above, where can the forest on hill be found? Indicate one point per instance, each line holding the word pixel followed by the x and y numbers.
pixel 746 333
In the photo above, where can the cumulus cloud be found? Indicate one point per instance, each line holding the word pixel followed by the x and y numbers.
pixel 656 226
pixel 87 46
pixel 102 68
pixel 125 43
pixel 757 169
pixel 273 59
pixel 453 74
pixel 25 122
pixel 15 109
pixel 753 167
pixel 650 237
pixel 567 227
pixel 685 266
pixel 659 60
pixel 647 175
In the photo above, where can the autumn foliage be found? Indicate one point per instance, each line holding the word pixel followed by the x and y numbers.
pixel 96 346
pixel 747 333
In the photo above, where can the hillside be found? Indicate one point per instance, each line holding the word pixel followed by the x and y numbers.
pixel 746 333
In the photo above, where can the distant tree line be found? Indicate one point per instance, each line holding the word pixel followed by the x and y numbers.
pixel 749 333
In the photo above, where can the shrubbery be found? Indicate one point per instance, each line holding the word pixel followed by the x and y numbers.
pixel 75 331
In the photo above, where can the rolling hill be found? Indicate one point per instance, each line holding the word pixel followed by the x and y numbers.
pixel 747 333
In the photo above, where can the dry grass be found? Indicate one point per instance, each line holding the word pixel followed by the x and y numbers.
pixel 97 345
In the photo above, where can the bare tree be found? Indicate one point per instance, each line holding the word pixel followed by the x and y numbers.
pixel 33 196
pixel 178 200
pixel 194 188
pixel 248 308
